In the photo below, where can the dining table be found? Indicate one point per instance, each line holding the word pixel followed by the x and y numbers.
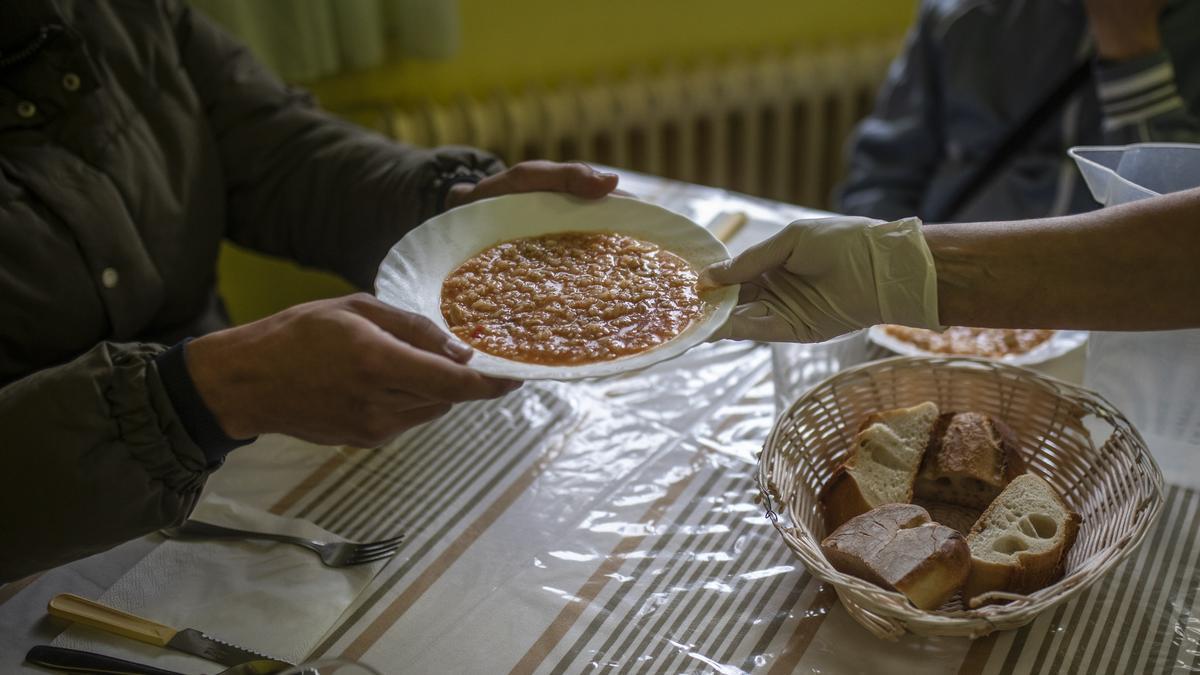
pixel 613 525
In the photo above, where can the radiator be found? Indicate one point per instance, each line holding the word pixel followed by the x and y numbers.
pixel 772 126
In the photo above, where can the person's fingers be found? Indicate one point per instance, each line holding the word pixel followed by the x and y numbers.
pixel 749 292
pixel 763 256
pixel 573 178
pixel 416 396
pixel 407 368
pixel 721 333
pixel 418 363
pixel 416 416
pixel 760 321
pixel 411 328
pixel 805 246
pixel 751 299
pixel 383 423
pixel 459 194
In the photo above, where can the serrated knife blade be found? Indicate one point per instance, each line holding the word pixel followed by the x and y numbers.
pixel 205 646
pixel 188 640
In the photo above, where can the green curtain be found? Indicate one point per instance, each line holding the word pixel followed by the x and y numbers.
pixel 308 39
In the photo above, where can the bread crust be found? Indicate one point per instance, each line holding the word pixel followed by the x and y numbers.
pixel 970 459
pixel 1024 571
pixel 842 499
pixel 897 547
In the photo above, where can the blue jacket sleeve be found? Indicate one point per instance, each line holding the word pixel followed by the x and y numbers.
pixel 893 151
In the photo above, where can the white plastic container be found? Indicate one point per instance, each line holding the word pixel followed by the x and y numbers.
pixel 798 366
pixel 1120 174
pixel 1151 377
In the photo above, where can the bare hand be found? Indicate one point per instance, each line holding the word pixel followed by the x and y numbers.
pixel 573 178
pixel 347 370
pixel 1125 29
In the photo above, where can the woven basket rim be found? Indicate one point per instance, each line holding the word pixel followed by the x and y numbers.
pixel 892 605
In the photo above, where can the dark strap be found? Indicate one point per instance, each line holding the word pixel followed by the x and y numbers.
pixel 1017 139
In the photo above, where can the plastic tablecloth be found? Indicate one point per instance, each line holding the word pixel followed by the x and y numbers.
pixel 611 525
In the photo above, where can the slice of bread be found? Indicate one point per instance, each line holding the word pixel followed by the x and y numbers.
pixel 882 465
pixel 912 425
pixel 1021 541
pixel 970 459
pixel 897 547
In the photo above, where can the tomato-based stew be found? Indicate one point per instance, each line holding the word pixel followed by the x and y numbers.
pixel 570 298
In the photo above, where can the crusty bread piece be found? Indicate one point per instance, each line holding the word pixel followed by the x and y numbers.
pixel 897 547
pixel 912 425
pixel 1021 541
pixel 882 465
pixel 970 459
pixel 958 518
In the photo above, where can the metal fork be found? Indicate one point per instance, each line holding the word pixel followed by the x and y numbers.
pixel 333 553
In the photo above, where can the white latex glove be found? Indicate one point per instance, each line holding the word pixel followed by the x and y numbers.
pixel 818 279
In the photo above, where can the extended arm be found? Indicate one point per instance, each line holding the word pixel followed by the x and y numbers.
pixel 1129 267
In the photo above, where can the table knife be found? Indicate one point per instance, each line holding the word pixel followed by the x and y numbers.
pixel 76 661
pixel 189 640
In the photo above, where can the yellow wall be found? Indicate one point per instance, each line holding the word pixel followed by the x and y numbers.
pixel 255 285
pixel 510 43
pixel 518 42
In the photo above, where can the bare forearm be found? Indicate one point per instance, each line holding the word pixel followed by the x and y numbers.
pixel 1132 267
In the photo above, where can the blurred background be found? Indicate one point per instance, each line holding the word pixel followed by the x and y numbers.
pixel 756 97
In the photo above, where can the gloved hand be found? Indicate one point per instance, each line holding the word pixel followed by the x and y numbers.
pixel 818 279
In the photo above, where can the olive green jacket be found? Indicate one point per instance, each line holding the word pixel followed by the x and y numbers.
pixel 134 136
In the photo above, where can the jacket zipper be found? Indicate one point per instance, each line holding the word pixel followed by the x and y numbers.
pixel 45 33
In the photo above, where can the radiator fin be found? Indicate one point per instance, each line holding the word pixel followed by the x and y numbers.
pixel 773 126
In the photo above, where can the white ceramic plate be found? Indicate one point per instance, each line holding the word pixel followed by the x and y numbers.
pixel 411 275
pixel 1060 343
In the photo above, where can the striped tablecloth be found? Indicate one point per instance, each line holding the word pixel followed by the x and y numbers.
pixel 607 536
pixel 611 526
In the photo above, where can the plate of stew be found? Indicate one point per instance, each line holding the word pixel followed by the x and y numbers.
pixel 548 286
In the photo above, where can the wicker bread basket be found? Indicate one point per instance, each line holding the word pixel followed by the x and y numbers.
pixel 1070 436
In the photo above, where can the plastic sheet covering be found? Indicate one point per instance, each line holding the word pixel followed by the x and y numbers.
pixel 611 526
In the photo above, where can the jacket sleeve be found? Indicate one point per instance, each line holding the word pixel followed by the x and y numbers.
pixel 94 455
pixel 894 150
pixel 300 183
pixel 1140 102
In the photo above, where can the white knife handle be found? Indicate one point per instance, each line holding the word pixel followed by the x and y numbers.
pixel 91 613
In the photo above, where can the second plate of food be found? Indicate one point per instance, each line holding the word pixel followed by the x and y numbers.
pixel 1019 347
pixel 547 286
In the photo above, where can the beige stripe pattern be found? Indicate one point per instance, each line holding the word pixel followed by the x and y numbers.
pixel 714 589
pixel 1131 623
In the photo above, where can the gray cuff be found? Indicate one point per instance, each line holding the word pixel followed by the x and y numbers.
pixel 1133 91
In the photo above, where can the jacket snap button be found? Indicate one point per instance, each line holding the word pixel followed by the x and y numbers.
pixel 70 82
pixel 109 277
pixel 26 109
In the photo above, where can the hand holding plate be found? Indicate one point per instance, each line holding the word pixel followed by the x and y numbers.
pixel 573 178
pixel 349 370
